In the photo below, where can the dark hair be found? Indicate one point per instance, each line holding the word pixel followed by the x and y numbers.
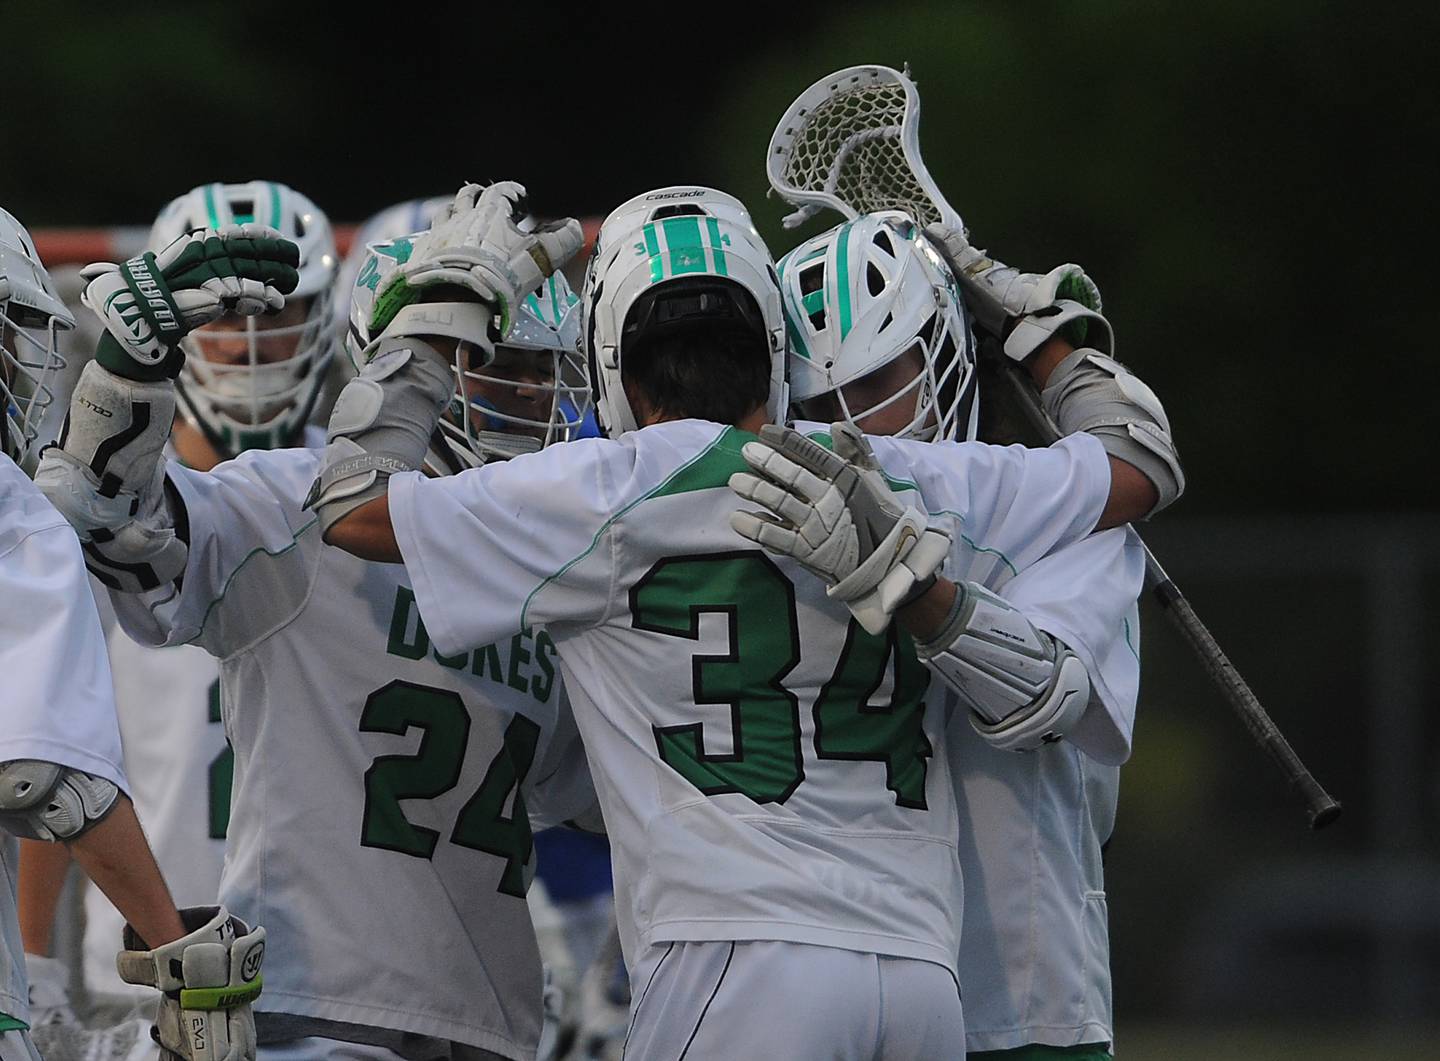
pixel 698 348
pixel 720 374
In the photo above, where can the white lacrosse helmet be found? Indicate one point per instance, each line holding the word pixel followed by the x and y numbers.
pixel 863 295
pixel 530 393
pixel 252 383
pixel 31 316
pixel 683 239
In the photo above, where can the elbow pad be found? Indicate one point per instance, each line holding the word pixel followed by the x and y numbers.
pixel 381 424
pixel 1023 687
pixel 106 476
pixel 44 801
pixel 1091 391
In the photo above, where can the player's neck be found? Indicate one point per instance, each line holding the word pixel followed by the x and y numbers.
pixel 192 447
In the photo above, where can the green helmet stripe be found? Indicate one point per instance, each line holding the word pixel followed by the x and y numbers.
pixel 842 276
pixel 797 344
pixel 814 301
pixel 275 206
pixel 714 228
pixel 682 240
pixel 554 299
pixel 652 248
pixel 210 207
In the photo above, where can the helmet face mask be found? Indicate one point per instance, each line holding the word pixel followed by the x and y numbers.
pixel 252 384
pixel 668 261
pixel 31 317
pixel 879 334
pixel 532 393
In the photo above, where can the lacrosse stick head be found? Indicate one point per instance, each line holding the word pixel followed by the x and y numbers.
pixel 851 142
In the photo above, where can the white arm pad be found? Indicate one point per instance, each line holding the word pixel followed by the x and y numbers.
pixel 106 475
pixel 1023 687
pixel 1091 391
pixel 44 801
pixel 381 425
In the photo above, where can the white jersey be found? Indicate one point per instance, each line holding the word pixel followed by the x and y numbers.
pixel 766 769
pixel 375 829
pixel 1034 953
pixel 180 767
pixel 56 703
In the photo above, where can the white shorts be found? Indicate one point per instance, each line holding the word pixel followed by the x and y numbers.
pixel 718 1001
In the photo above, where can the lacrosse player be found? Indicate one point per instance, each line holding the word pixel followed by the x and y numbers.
pixel 60 772
pixel 1034 961
pixel 379 809
pixel 246 383
pixel 784 847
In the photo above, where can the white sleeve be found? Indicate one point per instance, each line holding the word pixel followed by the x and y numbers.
pixel 58 703
pixel 1015 502
pixel 1086 595
pixel 247 571
pixel 515 544
pixel 560 787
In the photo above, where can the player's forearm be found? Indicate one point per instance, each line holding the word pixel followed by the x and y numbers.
pixel 923 617
pixel 367 532
pixel 41 877
pixel 116 856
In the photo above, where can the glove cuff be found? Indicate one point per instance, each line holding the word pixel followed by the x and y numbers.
pixel 111 354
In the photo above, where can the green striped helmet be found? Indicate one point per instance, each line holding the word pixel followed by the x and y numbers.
pixel 251 384
pixel 666 243
pixel 861 296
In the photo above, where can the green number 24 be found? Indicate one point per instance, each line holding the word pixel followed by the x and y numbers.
pixel 768 763
pixel 434 769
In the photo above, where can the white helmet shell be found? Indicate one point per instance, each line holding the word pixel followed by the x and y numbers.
pixel 251 402
pixel 31 315
pixel 865 293
pixel 671 236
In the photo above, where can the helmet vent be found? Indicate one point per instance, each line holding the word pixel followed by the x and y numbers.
pixel 677 210
pixel 874 279
pixel 882 240
pixel 889 318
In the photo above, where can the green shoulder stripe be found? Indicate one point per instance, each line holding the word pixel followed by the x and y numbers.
pixel 711 467
pixel 11 1024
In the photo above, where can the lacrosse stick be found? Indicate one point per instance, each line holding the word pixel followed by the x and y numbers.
pixel 851 142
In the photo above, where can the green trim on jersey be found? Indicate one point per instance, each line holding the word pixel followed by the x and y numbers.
pixel 823 437
pixel 205 618
pixel 12 1024
pixel 712 469
pixel 1128 642
pixel 700 480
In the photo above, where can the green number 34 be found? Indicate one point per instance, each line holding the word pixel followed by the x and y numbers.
pixel 768 763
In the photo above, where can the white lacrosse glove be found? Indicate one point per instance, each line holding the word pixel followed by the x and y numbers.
pixel 836 515
pixel 207 980
pixel 477 243
pixel 1035 305
pixel 152 301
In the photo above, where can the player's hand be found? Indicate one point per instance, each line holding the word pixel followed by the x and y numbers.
pixel 836 514
pixel 1020 294
pixel 207 979
pixel 152 301
pixel 477 243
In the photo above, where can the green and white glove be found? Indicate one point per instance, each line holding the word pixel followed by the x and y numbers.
pixel 207 979
pixel 152 301
pixel 1024 309
pixel 836 515
pixel 477 243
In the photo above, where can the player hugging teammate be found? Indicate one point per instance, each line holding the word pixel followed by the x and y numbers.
pixel 765 697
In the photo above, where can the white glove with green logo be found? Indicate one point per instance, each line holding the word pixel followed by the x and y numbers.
pixel 836 514
pixel 477 243
pixel 207 980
